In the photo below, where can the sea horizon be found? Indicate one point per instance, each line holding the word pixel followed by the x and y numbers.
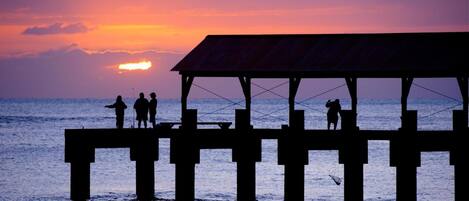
pixel 31 151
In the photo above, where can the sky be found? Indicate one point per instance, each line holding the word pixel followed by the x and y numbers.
pixel 72 49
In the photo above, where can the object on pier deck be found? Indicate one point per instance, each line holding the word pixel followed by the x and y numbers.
pixel 222 125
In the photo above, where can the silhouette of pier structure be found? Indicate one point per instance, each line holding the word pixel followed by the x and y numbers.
pixel 295 57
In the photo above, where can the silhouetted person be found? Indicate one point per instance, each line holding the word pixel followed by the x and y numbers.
pixel 120 107
pixel 332 113
pixel 152 108
pixel 141 107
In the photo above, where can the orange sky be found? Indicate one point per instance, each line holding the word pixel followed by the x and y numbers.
pixel 30 27
pixel 179 25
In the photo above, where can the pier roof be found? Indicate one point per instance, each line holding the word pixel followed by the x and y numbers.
pixel 431 54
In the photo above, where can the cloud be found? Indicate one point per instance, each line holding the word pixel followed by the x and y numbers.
pixel 56 28
pixel 72 72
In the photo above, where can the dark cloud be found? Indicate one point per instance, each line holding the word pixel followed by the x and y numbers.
pixel 56 28
pixel 73 72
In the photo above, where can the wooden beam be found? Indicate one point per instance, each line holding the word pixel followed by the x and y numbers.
pixel 352 88
pixel 293 89
pixel 246 86
pixel 186 83
pixel 406 85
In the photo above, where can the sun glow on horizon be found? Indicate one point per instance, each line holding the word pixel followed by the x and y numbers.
pixel 143 65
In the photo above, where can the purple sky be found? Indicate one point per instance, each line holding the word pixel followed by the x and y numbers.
pixel 71 49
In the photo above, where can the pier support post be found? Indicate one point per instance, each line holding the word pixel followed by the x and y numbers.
pixel 79 154
pixel 353 154
pixel 406 158
pixel 145 179
pixel 352 88
pixel 246 179
pixel 246 152
pixel 186 83
pixel 185 154
pixel 80 180
pixel 144 151
pixel 246 86
pixel 294 181
pixel 458 155
pixel 185 178
pixel 294 84
pixel 293 153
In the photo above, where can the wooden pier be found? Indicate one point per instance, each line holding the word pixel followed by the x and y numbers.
pixel 295 57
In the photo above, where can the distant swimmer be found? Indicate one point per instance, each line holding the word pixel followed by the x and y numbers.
pixel 333 113
pixel 120 107
pixel 152 109
pixel 141 107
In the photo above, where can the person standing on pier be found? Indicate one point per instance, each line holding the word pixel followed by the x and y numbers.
pixel 141 107
pixel 332 113
pixel 152 108
pixel 120 107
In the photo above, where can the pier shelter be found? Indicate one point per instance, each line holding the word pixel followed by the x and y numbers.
pixel 296 57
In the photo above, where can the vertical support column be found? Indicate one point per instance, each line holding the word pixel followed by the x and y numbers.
pixel 293 89
pixel 185 179
pixel 79 154
pixel 352 88
pixel 246 180
pixel 186 83
pixel 294 155
pixel 144 151
pixel 80 180
pixel 294 181
pixel 406 83
pixel 404 153
pixel 405 156
pixel 247 149
pixel 145 179
pixel 459 154
pixel 353 181
pixel 246 86
pixel 182 149
pixel 246 152
pixel 353 154
pixel 460 178
pixel 291 149
pixel 185 153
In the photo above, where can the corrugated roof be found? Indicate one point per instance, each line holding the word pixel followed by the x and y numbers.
pixel 330 55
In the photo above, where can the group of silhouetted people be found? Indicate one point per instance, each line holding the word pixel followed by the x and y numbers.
pixel 142 107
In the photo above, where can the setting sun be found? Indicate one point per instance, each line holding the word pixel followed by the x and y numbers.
pixel 143 65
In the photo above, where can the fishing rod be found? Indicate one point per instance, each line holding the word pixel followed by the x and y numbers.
pixel 133 112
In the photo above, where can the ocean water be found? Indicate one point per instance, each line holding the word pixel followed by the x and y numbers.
pixel 32 163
